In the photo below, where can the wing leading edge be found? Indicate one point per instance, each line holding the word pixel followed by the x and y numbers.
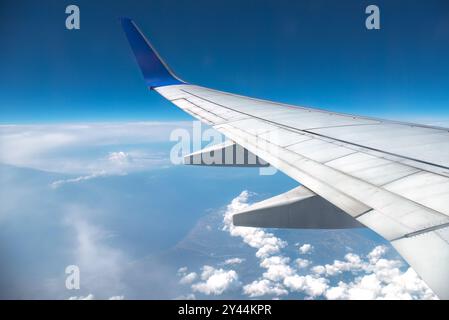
pixel 366 169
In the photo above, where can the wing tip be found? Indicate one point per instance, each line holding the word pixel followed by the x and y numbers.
pixel 154 70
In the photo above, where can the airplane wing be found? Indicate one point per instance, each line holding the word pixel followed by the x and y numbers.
pixel 392 177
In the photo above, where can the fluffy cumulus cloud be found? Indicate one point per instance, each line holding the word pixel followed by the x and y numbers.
pixel 216 281
pixel 352 263
pixel 310 285
pixel 265 243
pixel 264 287
pixel 277 268
pixel 305 248
pixel 279 275
pixel 376 278
pixel 302 263
pixel 371 276
pixel 188 278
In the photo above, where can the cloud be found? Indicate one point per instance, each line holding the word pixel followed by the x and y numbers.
pixel 277 268
pixel 188 278
pixel 118 163
pixel 102 267
pixel 234 261
pixel 216 281
pixel 58 183
pixel 352 263
pixel 377 253
pixel 378 278
pixel 182 270
pixel 375 278
pixel 189 296
pixel 90 296
pixel 279 275
pixel 265 242
pixel 302 263
pixel 264 287
pixel 121 158
pixel 372 276
pixel 311 285
pixel 305 248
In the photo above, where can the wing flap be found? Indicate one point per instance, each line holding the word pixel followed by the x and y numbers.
pixel 298 208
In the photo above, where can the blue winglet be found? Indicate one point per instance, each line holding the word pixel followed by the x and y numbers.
pixel 155 72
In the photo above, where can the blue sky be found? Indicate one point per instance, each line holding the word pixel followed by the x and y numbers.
pixel 315 53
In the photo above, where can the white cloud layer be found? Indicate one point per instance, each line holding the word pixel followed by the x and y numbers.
pixel 310 285
pixel 101 266
pixel 90 296
pixel 370 277
pixel 216 281
pixel 373 276
pixel 234 261
pixel 86 150
pixel 264 287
